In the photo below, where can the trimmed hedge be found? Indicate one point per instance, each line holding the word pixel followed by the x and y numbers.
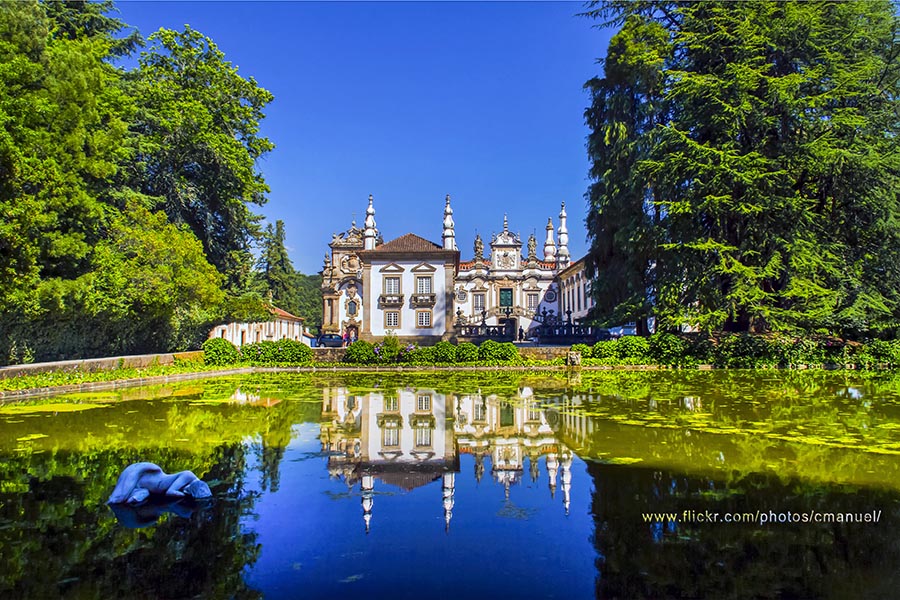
pixel 219 352
pixel 280 352
pixel 742 351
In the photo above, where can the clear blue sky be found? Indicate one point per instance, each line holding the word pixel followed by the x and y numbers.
pixel 410 101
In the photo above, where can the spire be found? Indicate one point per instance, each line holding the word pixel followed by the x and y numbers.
pixel 505 224
pixel 549 244
pixel 563 253
pixel 449 236
pixel 370 231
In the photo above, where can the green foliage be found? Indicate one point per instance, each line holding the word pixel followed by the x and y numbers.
pixel 220 352
pixel 466 352
pixel 491 350
pixel 604 349
pixel 360 352
pixel 633 348
pixel 743 351
pixel 198 130
pixel 273 353
pixel 424 355
pixel 388 350
pixel 582 349
pixel 667 349
pixel 444 352
pixel 743 178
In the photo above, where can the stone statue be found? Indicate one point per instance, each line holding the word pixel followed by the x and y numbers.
pixel 138 481
pixel 479 248
pixel 532 248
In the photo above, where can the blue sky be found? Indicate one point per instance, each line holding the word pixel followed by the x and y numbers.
pixel 410 101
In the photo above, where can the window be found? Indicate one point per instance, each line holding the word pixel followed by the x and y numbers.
pixel 390 435
pixel 391 285
pixel 579 298
pixel 423 437
pixel 423 285
pixel 478 302
pixel 534 412
pixel 532 300
pixel 423 318
pixel 390 404
pixel 391 319
pixel 351 308
pixel 479 411
pixel 423 403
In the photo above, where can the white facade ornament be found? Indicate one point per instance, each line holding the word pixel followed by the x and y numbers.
pixel 370 233
pixel 563 254
pixel 449 235
pixel 549 244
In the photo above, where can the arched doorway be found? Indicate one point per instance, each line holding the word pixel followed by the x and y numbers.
pixel 352 333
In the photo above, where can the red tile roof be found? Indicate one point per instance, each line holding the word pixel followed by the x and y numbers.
pixel 284 314
pixel 408 243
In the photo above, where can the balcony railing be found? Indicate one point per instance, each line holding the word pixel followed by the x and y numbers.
pixel 390 300
pixel 420 300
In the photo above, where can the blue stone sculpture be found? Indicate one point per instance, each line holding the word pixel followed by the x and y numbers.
pixel 141 480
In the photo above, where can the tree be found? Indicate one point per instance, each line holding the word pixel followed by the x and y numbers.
pixel 277 270
pixel 773 176
pixel 197 143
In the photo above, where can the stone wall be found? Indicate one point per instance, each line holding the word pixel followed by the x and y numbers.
pixel 328 354
pixel 543 352
pixel 101 364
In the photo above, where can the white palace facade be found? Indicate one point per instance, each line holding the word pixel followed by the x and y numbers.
pixel 422 291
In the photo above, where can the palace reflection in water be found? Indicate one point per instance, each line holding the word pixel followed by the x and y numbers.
pixel 410 437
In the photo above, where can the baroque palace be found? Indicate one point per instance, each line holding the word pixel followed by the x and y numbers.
pixel 421 291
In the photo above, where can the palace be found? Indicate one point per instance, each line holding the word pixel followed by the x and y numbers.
pixel 421 291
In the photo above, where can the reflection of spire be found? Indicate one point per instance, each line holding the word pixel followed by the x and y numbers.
pixel 368 498
pixel 479 467
pixel 448 488
pixel 566 479
pixel 552 468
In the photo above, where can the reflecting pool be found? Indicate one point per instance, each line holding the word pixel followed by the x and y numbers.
pixel 597 485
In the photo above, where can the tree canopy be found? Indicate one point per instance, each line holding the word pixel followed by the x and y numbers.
pixel 125 195
pixel 744 165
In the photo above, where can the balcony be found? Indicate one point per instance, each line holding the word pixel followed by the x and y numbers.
pixel 390 300
pixel 423 300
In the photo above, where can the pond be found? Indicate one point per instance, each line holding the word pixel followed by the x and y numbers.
pixel 608 484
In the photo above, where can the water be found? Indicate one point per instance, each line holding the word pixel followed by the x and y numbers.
pixel 604 485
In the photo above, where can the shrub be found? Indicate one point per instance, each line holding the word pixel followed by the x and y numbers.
pixel 293 352
pixel 360 353
pixel 443 352
pixel 878 352
pixel 219 351
pixel 491 350
pixel 667 349
pixel 699 350
pixel 264 353
pixel 421 356
pixel 743 351
pixel 466 352
pixel 582 349
pixel 388 350
pixel 605 349
pixel 633 348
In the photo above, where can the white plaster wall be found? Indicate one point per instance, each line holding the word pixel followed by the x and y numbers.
pixel 408 288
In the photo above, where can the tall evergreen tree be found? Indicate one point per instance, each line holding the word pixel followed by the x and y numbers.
pixel 772 180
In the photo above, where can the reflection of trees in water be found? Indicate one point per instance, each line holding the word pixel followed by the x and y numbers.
pixel 717 560
pixel 60 539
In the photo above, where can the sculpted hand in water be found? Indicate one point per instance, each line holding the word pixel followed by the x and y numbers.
pixel 138 481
